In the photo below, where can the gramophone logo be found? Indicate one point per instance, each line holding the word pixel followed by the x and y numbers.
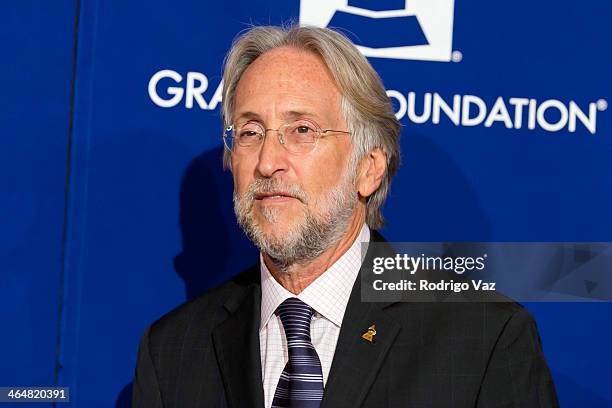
pixel 400 29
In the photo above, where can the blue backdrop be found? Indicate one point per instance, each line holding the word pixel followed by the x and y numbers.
pixel 115 207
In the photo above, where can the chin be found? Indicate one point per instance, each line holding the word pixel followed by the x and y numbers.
pixel 276 230
pixel 278 227
pixel 275 217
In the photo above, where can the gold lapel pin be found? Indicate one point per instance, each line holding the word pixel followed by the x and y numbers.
pixel 369 335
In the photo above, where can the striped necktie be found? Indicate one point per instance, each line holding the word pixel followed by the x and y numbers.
pixel 301 382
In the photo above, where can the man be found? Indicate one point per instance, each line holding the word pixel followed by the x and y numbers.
pixel 312 145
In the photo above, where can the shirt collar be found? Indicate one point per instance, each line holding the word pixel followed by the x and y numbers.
pixel 328 295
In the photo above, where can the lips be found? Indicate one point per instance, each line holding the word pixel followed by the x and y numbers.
pixel 273 195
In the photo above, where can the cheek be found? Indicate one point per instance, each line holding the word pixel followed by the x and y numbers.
pixel 242 173
pixel 321 175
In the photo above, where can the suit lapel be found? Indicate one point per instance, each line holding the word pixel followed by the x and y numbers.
pixel 357 361
pixel 236 342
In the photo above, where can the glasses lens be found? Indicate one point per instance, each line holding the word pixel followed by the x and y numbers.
pixel 249 134
pixel 301 136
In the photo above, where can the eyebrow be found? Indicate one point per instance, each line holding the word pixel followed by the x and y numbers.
pixel 298 114
pixel 248 115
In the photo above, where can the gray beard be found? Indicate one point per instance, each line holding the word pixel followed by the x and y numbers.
pixel 312 235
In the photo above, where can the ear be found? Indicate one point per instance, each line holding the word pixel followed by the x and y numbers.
pixel 371 171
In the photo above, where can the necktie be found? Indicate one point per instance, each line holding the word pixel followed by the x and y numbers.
pixel 301 382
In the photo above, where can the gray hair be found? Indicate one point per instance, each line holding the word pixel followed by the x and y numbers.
pixel 365 105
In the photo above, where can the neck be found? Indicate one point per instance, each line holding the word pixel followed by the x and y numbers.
pixel 298 276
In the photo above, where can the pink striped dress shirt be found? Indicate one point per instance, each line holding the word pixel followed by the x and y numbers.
pixel 328 295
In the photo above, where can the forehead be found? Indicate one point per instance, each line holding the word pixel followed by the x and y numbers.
pixel 287 80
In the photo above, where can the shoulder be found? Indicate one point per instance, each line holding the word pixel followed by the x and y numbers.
pixel 204 311
pixel 466 312
pixel 464 322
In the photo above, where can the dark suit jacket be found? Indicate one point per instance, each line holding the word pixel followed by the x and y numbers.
pixel 206 354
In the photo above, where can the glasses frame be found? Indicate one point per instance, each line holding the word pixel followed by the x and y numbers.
pixel 320 133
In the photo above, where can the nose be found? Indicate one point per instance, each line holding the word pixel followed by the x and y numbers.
pixel 272 157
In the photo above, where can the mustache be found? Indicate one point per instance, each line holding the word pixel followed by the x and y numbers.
pixel 268 185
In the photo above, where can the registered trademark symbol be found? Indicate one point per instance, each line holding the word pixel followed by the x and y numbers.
pixel 486 255
pixel 456 56
pixel 602 104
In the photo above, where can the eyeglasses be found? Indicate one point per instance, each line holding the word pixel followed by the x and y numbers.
pixel 300 136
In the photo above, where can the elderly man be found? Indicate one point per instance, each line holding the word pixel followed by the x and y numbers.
pixel 312 145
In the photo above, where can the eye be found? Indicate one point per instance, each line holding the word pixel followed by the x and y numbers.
pixel 250 130
pixel 248 133
pixel 301 133
pixel 303 129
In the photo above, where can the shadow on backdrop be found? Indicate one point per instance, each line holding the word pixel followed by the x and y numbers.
pixel 213 246
pixel 124 400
